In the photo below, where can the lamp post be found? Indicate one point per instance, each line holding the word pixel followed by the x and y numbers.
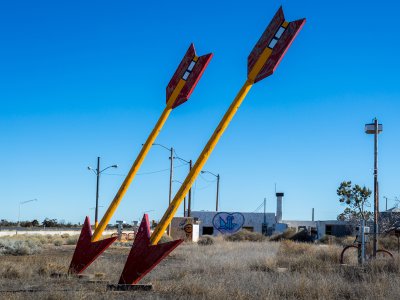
pixel 98 172
pixel 217 197
pixel 184 199
pixel 171 170
pixel 375 128
pixel 19 210
pixel 386 201
pixel 190 190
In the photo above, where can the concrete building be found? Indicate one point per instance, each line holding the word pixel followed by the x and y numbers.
pixel 215 223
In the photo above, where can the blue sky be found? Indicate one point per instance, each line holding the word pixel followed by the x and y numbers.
pixel 81 80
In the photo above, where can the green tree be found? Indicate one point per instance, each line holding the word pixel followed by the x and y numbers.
pixel 50 222
pixel 356 200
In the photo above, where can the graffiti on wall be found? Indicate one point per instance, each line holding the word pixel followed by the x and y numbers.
pixel 228 223
pixel 187 226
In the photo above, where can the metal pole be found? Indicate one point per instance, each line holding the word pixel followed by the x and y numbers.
pixel 190 193
pixel 362 241
pixel 376 195
pixel 265 209
pixel 184 207
pixel 96 214
pixel 19 214
pixel 216 205
pixel 171 170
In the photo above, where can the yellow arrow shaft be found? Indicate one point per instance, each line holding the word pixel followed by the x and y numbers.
pixel 136 165
pixel 198 166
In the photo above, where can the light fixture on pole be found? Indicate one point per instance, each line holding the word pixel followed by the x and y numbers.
pixel 375 128
pixel 190 190
pixel 171 170
pixel 184 199
pixel 98 172
pixel 19 208
pixel 217 197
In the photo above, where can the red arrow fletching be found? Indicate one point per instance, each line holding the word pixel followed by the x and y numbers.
pixel 191 72
pixel 279 46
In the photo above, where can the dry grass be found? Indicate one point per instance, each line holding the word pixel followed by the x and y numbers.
pixel 220 270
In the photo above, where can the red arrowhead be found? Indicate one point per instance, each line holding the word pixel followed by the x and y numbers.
pixel 144 256
pixel 87 251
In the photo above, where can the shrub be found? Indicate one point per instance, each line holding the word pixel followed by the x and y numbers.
pixel 165 239
pixel 287 234
pixel 11 273
pixel 388 242
pixel 205 240
pixel 58 242
pixel 19 247
pixel 72 240
pixel 65 235
pixel 51 269
pixel 302 236
pixel 245 235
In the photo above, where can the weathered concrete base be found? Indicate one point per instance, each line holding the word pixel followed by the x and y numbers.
pixel 129 287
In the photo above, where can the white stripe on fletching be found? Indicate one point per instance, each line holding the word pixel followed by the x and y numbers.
pixel 190 68
pixel 279 32
pixel 186 75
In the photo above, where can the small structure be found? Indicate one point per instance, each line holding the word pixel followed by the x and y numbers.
pixel 120 224
pixel 185 228
pixel 279 197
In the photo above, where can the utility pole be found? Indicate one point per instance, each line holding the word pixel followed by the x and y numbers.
pixel 171 170
pixel 96 214
pixel 97 171
pixel 19 212
pixel 375 128
pixel 217 197
pixel 265 211
pixel 190 193
pixel 184 207
pixel 376 187
pixel 216 204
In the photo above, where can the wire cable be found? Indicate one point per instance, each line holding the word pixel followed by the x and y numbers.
pixel 207 180
pixel 146 173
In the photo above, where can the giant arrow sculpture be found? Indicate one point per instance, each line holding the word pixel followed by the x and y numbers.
pixel 179 89
pixel 262 62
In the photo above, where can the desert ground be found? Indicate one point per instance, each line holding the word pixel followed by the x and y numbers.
pixel 36 268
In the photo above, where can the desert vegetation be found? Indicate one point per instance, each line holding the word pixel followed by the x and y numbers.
pixel 239 267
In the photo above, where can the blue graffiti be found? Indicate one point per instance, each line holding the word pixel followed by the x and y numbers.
pixel 228 223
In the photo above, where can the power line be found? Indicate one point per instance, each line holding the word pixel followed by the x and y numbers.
pixel 147 173
pixel 205 187
pixel 207 180
pixel 259 207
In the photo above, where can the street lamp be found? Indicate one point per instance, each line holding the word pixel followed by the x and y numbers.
pixel 190 190
pixel 171 169
pixel 184 199
pixel 19 208
pixel 98 172
pixel 375 128
pixel 216 202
